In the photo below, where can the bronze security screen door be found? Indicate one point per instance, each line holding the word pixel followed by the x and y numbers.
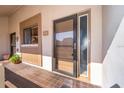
pixel 65 45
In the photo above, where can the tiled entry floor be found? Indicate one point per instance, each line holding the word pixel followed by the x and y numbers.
pixel 26 76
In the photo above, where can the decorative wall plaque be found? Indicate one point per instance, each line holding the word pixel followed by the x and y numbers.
pixel 45 33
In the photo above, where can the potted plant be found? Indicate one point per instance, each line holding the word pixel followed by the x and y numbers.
pixel 16 59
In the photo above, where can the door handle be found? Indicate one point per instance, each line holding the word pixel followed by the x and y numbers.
pixel 73 54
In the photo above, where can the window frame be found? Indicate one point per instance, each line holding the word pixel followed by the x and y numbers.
pixel 30 44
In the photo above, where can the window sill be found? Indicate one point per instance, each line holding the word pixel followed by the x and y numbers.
pixel 29 45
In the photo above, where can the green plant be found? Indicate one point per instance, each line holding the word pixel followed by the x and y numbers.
pixel 15 59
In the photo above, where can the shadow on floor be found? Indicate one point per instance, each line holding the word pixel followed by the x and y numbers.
pixel 19 81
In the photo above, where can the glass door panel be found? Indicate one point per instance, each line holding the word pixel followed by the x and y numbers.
pixel 64 45
pixel 83 45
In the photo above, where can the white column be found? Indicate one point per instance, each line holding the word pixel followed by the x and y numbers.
pixel 2 77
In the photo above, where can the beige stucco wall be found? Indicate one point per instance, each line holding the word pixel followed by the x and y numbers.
pixel 4 35
pixel 50 13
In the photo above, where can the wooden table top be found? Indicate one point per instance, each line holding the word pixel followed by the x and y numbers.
pixel 44 78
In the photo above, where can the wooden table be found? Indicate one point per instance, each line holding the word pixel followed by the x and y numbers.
pixel 26 76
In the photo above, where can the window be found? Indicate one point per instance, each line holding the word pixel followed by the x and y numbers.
pixel 30 35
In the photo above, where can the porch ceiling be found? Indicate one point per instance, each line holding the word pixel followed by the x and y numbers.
pixel 6 10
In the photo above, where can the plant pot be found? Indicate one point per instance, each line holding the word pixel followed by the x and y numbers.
pixel 18 62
